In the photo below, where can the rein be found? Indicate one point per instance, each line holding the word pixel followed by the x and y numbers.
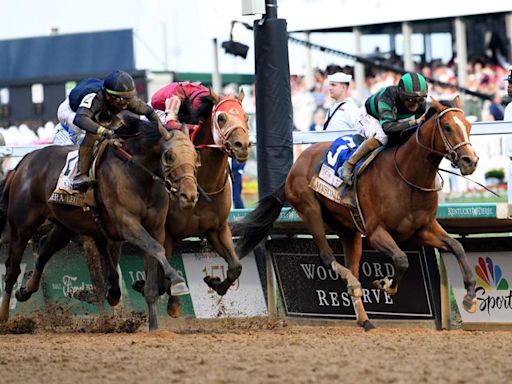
pixel 168 184
pixel 451 151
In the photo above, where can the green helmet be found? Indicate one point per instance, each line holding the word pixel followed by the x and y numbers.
pixel 412 84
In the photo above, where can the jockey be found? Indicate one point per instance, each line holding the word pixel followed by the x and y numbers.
pixel 170 98
pixel 67 133
pixel 392 110
pixel 99 109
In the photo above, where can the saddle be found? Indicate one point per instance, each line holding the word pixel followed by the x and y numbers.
pixel 327 183
pixel 64 192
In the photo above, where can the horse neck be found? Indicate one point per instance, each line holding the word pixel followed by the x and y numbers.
pixel 214 161
pixel 149 155
pixel 418 164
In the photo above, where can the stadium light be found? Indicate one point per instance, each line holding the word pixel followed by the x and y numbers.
pixel 233 47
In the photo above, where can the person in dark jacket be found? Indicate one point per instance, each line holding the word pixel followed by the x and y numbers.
pixel 98 110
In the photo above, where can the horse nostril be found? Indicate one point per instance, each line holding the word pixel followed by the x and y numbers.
pixel 238 145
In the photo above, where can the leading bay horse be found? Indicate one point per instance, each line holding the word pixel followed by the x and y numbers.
pixel 131 204
pixel 223 132
pixel 396 195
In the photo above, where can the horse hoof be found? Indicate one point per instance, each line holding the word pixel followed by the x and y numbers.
pixel 179 289
pixel 469 304
pixel 113 297
pixel 174 307
pixel 138 285
pixel 22 294
pixel 368 326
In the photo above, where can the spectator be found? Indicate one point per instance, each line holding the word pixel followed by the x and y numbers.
pixel 343 113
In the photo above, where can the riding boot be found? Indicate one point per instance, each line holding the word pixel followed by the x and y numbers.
pixel 81 181
pixel 348 167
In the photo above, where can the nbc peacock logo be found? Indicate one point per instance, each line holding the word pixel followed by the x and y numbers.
pixel 490 275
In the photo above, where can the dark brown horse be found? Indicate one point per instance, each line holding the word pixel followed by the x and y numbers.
pixel 396 195
pixel 223 133
pixel 131 196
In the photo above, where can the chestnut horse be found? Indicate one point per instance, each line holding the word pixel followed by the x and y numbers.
pixel 132 198
pixel 397 197
pixel 223 132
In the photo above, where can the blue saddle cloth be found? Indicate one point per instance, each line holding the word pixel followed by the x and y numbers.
pixel 340 151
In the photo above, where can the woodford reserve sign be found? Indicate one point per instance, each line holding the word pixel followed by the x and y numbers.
pixel 310 289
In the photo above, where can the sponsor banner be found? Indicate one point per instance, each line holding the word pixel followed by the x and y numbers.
pixel 132 269
pixel 310 289
pixel 67 272
pixel 493 273
pixel 244 298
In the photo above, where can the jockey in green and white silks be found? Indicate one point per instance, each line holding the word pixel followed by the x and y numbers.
pixel 388 111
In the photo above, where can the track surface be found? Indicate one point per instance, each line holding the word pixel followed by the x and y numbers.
pixel 256 351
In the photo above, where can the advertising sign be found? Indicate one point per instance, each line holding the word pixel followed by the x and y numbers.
pixel 490 261
pixel 244 298
pixel 310 289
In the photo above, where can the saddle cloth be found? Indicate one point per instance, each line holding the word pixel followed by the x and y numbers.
pixel 327 181
pixel 64 192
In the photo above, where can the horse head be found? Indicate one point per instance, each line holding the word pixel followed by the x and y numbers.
pixel 230 128
pixel 180 161
pixel 451 136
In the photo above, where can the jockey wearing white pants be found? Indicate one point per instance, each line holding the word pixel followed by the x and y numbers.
pixel 67 133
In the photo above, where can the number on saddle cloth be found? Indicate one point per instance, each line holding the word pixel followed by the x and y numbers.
pixel 83 88
pixel 340 151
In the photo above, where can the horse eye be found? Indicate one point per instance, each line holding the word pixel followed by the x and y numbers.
pixel 221 118
pixel 447 128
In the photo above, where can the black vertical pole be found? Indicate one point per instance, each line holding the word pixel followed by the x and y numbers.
pixel 274 122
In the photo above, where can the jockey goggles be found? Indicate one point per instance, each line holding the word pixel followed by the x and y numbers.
pixel 414 99
pixel 123 97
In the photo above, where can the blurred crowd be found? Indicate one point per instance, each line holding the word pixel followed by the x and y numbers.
pixel 311 101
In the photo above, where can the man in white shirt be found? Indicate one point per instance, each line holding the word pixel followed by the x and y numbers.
pixel 343 113
pixel 508 110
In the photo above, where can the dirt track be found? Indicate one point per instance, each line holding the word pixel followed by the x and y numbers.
pixel 257 351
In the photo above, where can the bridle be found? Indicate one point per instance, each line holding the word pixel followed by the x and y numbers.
pixel 233 107
pixel 169 169
pixel 450 150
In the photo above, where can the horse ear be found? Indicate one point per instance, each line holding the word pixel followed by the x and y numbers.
pixel 184 129
pixel 436 104
pixel 457 102
pixel 214 96
pixel 241 95
pixel 164 132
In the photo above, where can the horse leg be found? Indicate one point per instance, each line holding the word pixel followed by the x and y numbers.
pixel 382 241
pixel 151 292
pixel 222 242
pixel 133 232
pixel 17 244
pixel 57 238
pixel 173 304
pixel 435 236
pixel 114 291
pixel 310 211
pixel 352 244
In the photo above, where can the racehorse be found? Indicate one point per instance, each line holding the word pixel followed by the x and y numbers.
pixel 131 204
pixel 223 132
pixel 396 194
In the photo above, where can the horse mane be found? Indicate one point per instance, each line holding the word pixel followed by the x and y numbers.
pixel 138 134
pixel 188 115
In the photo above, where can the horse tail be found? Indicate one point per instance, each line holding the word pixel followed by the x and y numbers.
pixel 256 226
pixel 5 186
